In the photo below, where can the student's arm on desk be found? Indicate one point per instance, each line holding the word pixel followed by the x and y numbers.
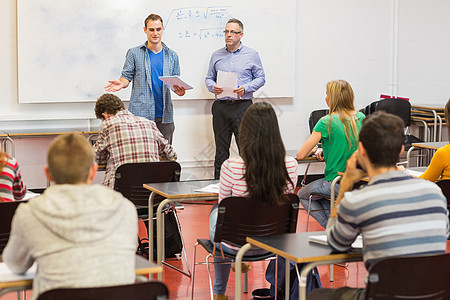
pixel 17 253
pixel 100 146
pixel 437 165
pixel 309 146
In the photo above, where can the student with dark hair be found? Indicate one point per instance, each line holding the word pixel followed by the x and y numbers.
pixel 263 172
pixel 439 168
pixel 338 132
pixel 396 214
pixel 125 138
pixel 79 234
pixel 11 184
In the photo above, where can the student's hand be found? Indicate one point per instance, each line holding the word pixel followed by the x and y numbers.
pixel 240 91
pixel 180 91
pixel 319 155
pixel 353 174
pixel 217 90
pixel 114 86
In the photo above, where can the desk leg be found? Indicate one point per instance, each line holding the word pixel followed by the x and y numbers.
pixel 287 279
pixel 151 246
pixel 408 156
pixel 238 271
pixel 160 235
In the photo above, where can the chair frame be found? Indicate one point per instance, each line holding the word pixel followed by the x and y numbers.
pixel 234 225
pixel 151 290
pixel 424 277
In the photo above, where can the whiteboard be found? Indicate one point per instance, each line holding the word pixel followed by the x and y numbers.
pixel 68 50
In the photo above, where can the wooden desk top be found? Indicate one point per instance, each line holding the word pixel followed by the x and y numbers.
pixel 44 132
pixel 430 145
pixel 296 247
pixel 143 267
pixel 309 159
pixel 436 107
pixel 181 189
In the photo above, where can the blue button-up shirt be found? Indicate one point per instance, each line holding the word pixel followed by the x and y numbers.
pixel 137 69
pixel 244 61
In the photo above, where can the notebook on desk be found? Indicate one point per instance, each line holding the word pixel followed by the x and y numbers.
pixel 322 239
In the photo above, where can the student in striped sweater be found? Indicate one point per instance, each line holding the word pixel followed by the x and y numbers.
pixel 396 214
pixel 11 184
pixel 263 172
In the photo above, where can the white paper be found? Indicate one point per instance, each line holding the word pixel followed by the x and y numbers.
pixel 322 239
pixel 414 173
pixel 228 81
pixel 175 80
pixel 30 195
pixel 6 275
pixel 212 188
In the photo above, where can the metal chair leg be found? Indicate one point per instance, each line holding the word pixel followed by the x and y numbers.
pixel 211 292
pixel 193 271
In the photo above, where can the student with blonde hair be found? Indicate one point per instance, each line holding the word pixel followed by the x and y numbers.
pixel 11 184
pixel 439 168
pixel 80 235
pixel 338 132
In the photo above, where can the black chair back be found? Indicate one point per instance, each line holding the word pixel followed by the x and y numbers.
pixel 398 107
pixel 7 213
pixel 239 217
pixel 410 277
pixel 315 116
pixel 130 178
pixel 445 187
pixel 150 290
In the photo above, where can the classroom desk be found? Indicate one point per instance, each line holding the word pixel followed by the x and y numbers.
pixel 295 247
pixel 435 113
pixel 425 145
pixel 18 283
pixel 172 192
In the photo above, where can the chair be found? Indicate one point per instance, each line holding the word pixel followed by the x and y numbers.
pixel 445 187
pixel 129 180
pixel 239 217
pixel 8 209
pixel 314 117
pixel 149 290
pixel 410 277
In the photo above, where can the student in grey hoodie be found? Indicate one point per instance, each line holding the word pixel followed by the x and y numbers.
pixel 80 235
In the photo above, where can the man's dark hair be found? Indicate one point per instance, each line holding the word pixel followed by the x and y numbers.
pixel 153 17
pixel 382 135
pixel 108 103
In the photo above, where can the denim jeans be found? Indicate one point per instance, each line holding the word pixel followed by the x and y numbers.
pixel 222 271
pixel 318 186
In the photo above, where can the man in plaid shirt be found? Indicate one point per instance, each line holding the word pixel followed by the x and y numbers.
pixel 126 138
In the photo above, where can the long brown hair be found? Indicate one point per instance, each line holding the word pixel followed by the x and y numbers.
pixel 447 116
pixel 263 152
pixel 341 98
pixel 3 159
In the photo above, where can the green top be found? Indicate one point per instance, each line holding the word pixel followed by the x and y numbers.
pixel 336 149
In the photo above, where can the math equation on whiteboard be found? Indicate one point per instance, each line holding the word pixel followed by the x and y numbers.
pixel 198 22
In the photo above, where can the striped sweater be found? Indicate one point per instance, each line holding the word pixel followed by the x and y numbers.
pixel 396 214
pixel 232 172
pixel 11 184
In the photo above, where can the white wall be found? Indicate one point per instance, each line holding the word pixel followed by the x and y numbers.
pixel 379 46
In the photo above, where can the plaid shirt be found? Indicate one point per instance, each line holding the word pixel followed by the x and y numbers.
pixel 137 69
pixel 126 138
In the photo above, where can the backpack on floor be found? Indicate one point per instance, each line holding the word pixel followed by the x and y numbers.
pixel 312 281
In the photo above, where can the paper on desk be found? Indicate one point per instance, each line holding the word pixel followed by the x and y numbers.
pixel 414 173
pixel 212 188
pixel 30 195
pixel 175 80
pixel 228 81
pixel 322 239
pixel 6 275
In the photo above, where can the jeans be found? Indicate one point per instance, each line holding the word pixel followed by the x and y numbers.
pixel 221 270
pixel 318 186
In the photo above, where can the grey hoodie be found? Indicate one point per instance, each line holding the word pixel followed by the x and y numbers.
pixel 80 236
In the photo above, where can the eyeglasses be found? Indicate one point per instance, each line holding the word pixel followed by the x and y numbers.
pixel 232 32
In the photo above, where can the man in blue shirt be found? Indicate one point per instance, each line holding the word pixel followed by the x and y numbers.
pixel 150 98
pixel 228 112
